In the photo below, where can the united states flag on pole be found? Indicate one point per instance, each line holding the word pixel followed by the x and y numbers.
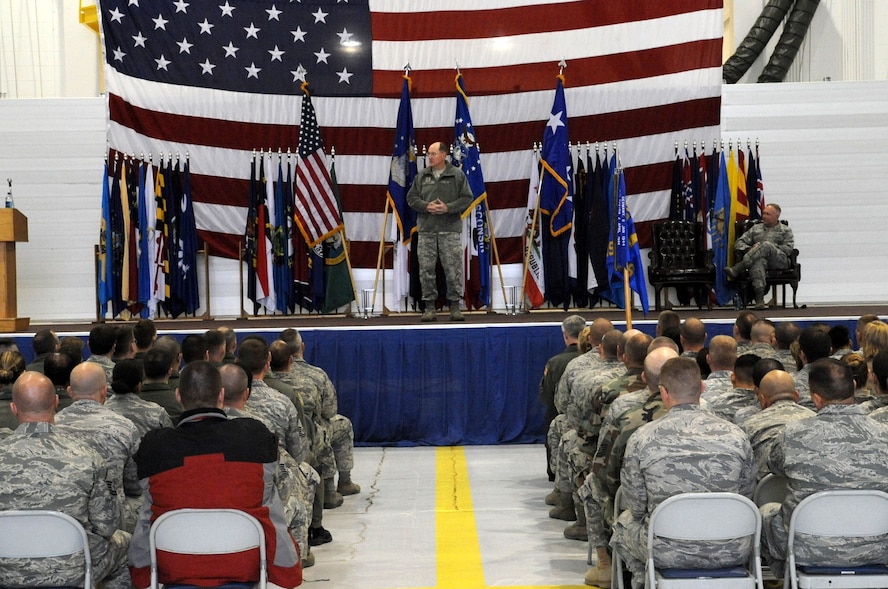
pixel 220 79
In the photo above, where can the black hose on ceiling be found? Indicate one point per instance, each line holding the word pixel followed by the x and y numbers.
pixel 754 43
pixel 790 40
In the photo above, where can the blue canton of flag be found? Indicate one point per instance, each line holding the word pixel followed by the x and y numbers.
pixel 556 187
pixel 241 45
pixel 467 157
pixel 403 168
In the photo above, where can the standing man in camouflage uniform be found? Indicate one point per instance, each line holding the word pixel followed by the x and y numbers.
pixel 839 448
pixel 112 435
pixel 41 468
pixel 768 246
pixel 663 460
pixel 440 195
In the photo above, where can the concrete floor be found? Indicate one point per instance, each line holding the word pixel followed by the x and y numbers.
pixel 447 518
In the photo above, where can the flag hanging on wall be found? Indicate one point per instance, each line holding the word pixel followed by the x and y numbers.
pixel 220 79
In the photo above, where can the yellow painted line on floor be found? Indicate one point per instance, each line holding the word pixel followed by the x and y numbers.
pixel 456 534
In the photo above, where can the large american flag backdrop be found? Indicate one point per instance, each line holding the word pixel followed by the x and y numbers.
pixel 218 79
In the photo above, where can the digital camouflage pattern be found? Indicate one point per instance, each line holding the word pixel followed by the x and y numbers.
pixel 145 415
pixel 839 448
pixel 662 460
pixel 280 416
pixel 764 427
pixel 43 468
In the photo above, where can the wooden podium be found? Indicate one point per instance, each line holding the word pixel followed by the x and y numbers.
pixel 13 228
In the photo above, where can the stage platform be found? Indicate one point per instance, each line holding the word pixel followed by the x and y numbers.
pixel 405 383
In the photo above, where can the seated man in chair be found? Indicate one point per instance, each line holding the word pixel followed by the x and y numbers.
pixel 767 245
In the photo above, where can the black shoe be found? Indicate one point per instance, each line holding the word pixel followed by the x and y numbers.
pixel 318 536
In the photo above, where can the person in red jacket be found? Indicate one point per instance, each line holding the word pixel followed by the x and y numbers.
pixel 209 461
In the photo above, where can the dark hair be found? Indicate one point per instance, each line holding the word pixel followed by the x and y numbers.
pixel 859 369
pixel 194 347
pixel 831 379
pixel 745 321
pixel 814 343
pixel 763 367
pixel 144 332
pixel 58 367
pixel 44 342
pixel 199 385
pixel 839 337
pixel 157 362
pixel 124 342
pixel 785 333
pixel 214 339
pixel 880 370
pixel 102 338
pixel 126 376
pixel 702 364
pixel 252 354
pixel 681 378
pixel 743 367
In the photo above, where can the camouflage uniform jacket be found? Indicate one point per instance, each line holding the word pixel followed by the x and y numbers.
pixel 687 450
pixel 629 382
pixel 839 448
pixel 785 358
pixel 588 399
pixel 276 409
pixel 717 383
pixel 112 435
pixel 574 368
pixel 451 187
pixel 800 379
pixel 761 349
pixel 303 370
pixel 727 404
pixel 144 414
pixel 7 419
pixel 874 403
pixel 107 364
pixel 609 457
pixel 764 427
pixel 41 468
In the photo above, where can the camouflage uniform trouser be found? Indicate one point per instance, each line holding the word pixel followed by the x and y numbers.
pixel 111 567
pixel 447 247
pixel 571 462
pixel 553 439
pixel 343 442
pixel 593 498
pixel 296 484
pixel 765 255
pixel 324 460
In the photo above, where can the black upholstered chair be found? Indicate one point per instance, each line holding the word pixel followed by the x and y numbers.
pixel 679 258
pixel 790 276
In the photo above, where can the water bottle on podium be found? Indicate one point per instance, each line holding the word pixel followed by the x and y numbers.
pixel 9 203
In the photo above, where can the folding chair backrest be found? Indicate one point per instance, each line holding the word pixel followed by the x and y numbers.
pixel 845 513
pixel 704 516
pixel 207 531
pixel 44 534
pixel 854 513
pixel 707 517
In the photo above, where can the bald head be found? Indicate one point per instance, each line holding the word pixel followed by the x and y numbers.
pixel 653 363
pixel 777 385
pixel 33 398
pixel 88 381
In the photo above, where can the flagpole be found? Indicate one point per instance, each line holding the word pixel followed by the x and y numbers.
pixel 533 225
pixel 379 256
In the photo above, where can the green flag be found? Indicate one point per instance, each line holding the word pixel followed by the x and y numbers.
pixel 340 288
